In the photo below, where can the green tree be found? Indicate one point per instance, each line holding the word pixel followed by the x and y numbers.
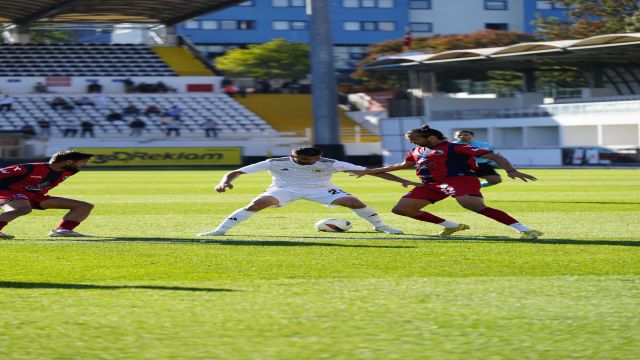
pixel 277 59
pixel 48 36
pixel 388 79
pixel 587 18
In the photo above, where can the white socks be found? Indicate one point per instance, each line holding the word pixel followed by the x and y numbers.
pixel 449 224
pixel 235 218
pixel 369 215
pixel 519 227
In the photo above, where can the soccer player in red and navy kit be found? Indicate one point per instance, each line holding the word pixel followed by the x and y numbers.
pixel 24 187
pixel 446 169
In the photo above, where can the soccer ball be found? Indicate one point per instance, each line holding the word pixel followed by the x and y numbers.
pixel 333 225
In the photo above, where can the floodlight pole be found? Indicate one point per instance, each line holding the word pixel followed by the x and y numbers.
pixel 326 124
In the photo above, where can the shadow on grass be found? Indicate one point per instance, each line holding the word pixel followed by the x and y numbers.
pixel 250 242
pixel 543 241
pixel 569 202
pixel 28 285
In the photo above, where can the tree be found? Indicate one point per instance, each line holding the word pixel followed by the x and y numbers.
pixel 48 35
pixel 428 45
pixel 587 18
pixel 278 59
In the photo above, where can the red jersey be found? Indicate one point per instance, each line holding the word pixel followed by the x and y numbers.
pixel 445 160
pixel 36 178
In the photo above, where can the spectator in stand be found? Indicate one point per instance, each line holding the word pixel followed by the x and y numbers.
pixel 165 120
pixel 230 90
pixel 28 130
pixel 131 110
pixel 210 127
pixel 173 126
pixel 129 86
pixel 40 88
pixel 161 87
pixel 84 101
pixel 264 86
pixel 58 102
pixel 6 103
pixel 69 107
pixel 45 127
pixel 87 128
pixel 174 112
pixel 94 87
pixel 137 126
pixel 143 87
pixel 152 110
pixel 70 127
pixel 294 86
pixel 114 116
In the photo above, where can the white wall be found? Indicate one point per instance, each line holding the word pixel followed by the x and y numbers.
pixel 78 84
pixel 464 16
pixel 522 100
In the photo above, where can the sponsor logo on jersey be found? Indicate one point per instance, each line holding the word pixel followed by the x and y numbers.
pixel 36 177
pixel 38 187
pixel 317 170
pixel 285 169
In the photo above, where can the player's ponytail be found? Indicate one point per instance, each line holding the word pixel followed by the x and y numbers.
pixel 426 131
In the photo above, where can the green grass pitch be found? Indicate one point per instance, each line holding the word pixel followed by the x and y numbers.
pixel 146 288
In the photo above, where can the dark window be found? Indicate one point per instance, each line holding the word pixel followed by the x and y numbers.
pixel 496 26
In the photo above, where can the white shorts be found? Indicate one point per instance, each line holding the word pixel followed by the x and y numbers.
pixel 323 196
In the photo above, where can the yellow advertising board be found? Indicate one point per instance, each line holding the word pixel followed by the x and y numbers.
pixel 186 156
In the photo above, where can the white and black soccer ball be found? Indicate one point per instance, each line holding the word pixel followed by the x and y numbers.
pixel 333 225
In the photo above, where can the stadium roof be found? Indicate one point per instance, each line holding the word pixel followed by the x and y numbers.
pixel 609 49
pixel 169 12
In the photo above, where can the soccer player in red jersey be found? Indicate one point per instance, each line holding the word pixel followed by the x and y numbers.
pixel 24 187
pixel 446 169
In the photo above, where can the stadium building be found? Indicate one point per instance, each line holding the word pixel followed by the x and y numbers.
pixel 359 23
pixel 597 125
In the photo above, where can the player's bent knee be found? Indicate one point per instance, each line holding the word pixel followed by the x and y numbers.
pixel 84 206
pixel 401 211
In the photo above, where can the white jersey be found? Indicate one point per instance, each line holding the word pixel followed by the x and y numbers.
pixel 288 174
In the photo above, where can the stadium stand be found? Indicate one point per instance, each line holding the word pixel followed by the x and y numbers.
pixel 81 60
pixel 183 62
pixel 293 112
pixel 233 119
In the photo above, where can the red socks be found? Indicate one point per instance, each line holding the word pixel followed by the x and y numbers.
pixel 3 224
pixel 425 216
pixel 497 215
pixel 67 225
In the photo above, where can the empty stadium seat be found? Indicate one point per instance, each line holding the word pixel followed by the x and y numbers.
pixel 81 60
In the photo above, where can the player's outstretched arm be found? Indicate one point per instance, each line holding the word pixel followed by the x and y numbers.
pixel 508 167
pixel 404 165
pixel 226 180
pixel 403 182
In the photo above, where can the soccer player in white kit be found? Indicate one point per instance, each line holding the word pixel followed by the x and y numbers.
pixel 305 174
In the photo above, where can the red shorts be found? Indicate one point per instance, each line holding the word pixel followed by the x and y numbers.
pixel 452 186
pixel 34 198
